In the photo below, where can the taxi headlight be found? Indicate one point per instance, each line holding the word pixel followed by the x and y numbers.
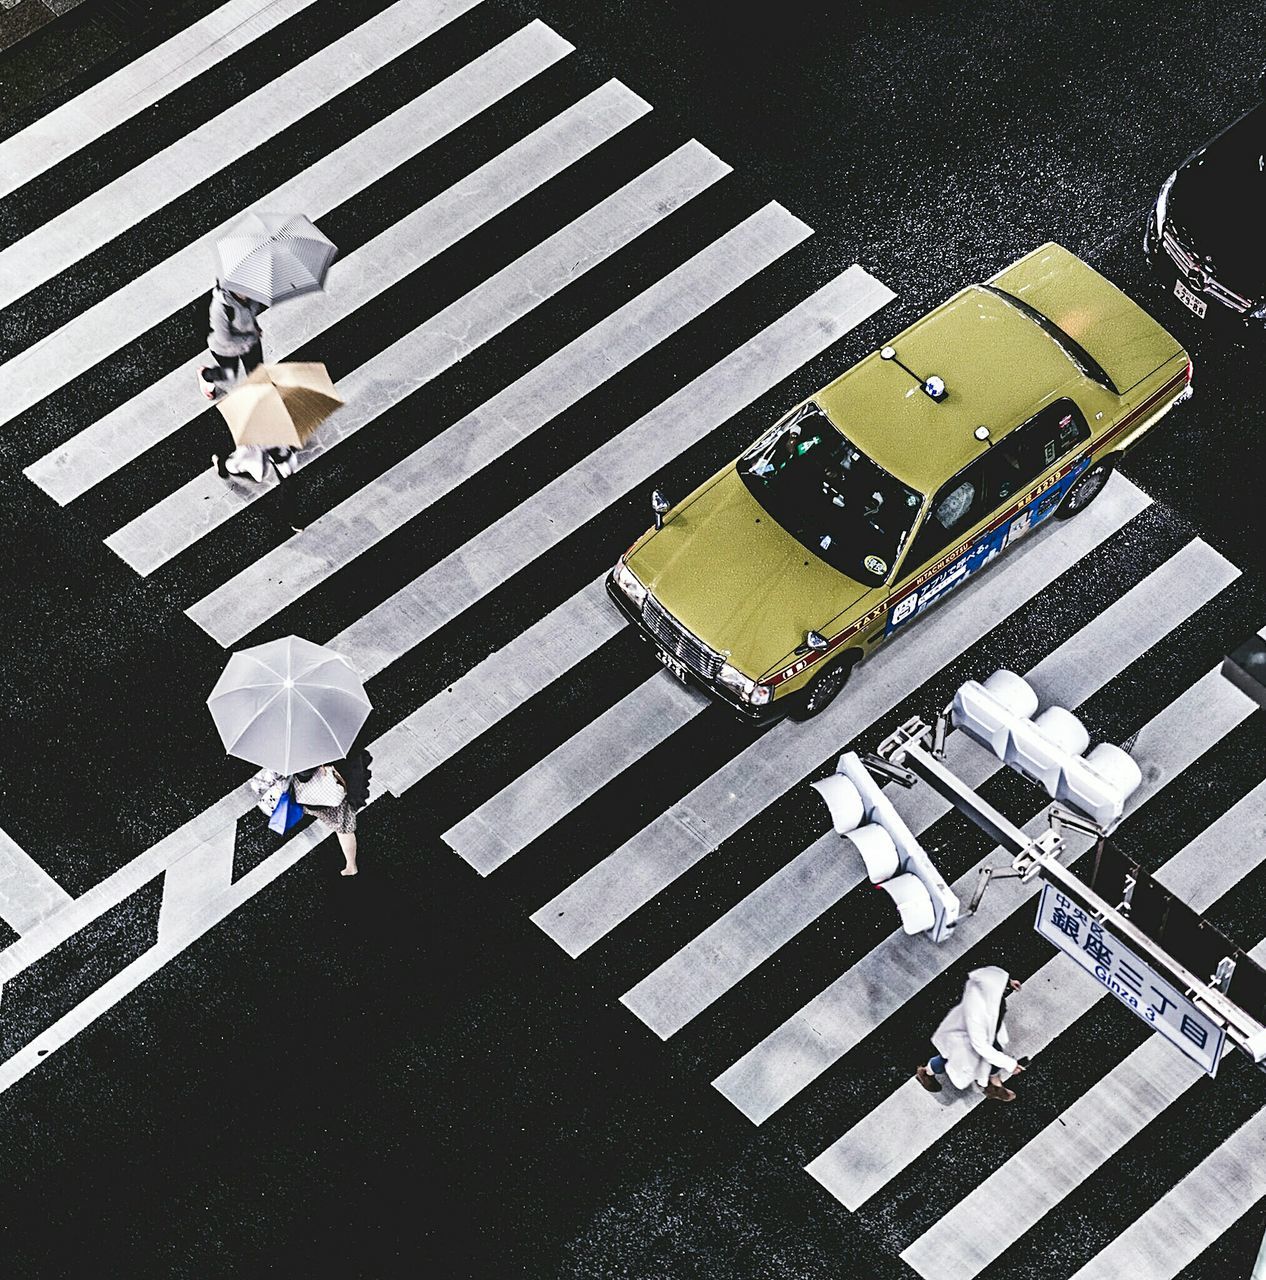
pixel 748 690
pixel 1162 202
pixel 628 583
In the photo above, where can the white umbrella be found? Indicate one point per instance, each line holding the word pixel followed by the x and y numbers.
pixel 273 256
pixel 288 705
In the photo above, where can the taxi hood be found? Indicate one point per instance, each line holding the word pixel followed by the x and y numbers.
pixel 1115 331
pixel 729 573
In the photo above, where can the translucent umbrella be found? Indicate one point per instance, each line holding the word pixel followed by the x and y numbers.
pixel 288 705
pixel 280 404
pixel 273 256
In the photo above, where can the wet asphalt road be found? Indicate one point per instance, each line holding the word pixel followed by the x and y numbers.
pixel 507 1117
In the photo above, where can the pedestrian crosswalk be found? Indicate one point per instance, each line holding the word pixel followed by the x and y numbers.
pixel 538 561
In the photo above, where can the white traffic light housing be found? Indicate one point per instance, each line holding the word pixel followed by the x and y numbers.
pixel 895 861
pixel 1048 747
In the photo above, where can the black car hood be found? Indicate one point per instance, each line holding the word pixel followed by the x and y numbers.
pixel 1217 206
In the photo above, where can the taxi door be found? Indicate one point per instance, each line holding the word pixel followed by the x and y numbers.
pixel 993 501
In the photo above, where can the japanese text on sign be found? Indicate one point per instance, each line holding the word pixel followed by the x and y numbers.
pixel 1133 981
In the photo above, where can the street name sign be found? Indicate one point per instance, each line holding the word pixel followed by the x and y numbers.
pixel 1071 928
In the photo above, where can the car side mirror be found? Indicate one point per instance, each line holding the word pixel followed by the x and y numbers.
pixel 660 506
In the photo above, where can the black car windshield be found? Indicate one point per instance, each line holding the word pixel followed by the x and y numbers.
pixel 822 489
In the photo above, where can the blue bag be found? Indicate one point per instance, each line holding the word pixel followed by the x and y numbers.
pixel 286 815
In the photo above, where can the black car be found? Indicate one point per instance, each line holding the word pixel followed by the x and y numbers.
pixel 1206 235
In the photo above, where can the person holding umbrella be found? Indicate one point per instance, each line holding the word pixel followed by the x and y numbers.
pixel 264 259
pixel 235 335
pixel 292 706
pixel 271 416
pixel 322 794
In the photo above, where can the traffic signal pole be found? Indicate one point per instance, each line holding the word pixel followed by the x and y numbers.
pixel 914 747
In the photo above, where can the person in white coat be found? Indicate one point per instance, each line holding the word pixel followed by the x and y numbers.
pixel 971 1041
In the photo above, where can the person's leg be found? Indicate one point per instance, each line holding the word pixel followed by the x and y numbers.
pixel 998 1091
pixel 253 358
pixel 347 842
pixel 278 460
pixel 224 369
pixel 926 1076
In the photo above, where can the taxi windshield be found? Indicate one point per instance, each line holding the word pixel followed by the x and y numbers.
pixel 824 491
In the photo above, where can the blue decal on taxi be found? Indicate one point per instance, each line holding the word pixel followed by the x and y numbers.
pixel 983 550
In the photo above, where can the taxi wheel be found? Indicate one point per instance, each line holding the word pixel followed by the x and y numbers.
pixel 1086 490
pixel 822 692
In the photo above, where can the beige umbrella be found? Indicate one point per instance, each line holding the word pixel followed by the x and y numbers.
pixel 280 404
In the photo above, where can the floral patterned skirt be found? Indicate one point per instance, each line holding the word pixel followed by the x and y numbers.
pixel 340 817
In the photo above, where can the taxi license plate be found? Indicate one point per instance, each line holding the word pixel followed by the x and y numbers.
pixel 673 665
pixel 1189 299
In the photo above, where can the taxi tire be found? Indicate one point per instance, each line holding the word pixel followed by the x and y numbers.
pixel 818 696
pixel 1091 484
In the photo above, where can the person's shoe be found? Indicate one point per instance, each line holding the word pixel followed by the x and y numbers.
pixel 208 389
pixel 218 463
pixel 999 1092
pixel 927 1080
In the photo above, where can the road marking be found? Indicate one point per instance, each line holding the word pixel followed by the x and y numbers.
pixel 205 502
pixel 56 928
pixel 193 881
pixel 250 598
pixel 28 894
pixel 408 751
pixel 606 895
pixel 489 691
pixel 402 756
pixel 847 1011
pixel 580 767
pixel 249 123
pixel 815 880
pixel 1184 1222
pixel 115 321
pixel 106 996
pixel 1093 1129
pixel 437 596
pixel 164 406
pixel 148 79
pixel 894 1134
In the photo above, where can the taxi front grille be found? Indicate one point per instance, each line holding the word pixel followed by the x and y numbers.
pixel 1198 277
pixel 685 647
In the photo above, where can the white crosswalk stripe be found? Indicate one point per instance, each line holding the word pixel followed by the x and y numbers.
pixel 841 1016
pixel 248 599
pixel 179 520
pixel 1116 1109
pixel 122 435
pixel 246 125
pixel 790 900
pixel 110 324
pixel 522 535
pixel 624 733
pixel 646 865
pixel 1187 1219
pixel 902 1127
pixel 532 793
pixel 147 80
